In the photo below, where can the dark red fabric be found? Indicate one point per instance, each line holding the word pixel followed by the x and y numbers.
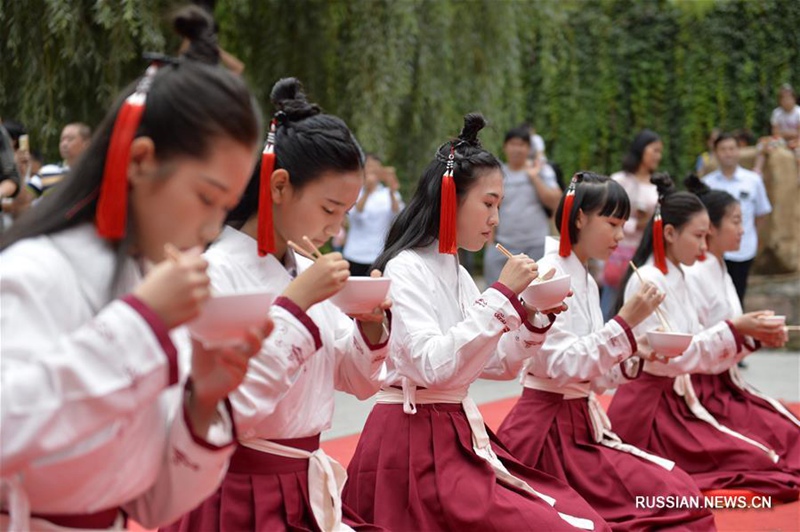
pixel 750 415
pixel 262 493
pixel 554 435
pixel 419 472
pixel 649 414
pixel 101 520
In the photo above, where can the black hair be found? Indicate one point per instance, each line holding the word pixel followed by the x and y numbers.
pixel 522 133
pixel 744 136
pixel 188 107
pixel 724 136
pixel 633 158
pixel 594 194
pixel 716 202
pixel 418 224
pixel 677 208
pixel 307 144
pixel 15 131
pixel 197 25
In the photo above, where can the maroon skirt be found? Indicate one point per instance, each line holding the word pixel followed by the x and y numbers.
pixel 649 414
pixel 750 415
pixel 419 472
pixel 263 493
pixel 555 435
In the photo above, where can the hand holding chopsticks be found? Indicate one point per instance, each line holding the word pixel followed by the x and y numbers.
pixel 661 316
pixel 518 272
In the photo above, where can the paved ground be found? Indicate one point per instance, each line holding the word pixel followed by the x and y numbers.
pixel 775 373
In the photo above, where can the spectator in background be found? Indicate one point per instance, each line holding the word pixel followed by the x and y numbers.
pixel 785 118
pixel 28 163
pixel 9 176
pixel 748 188
pixel 638 166
pixel 744 137
pixel 785 122
pixel 537 145
pixel 529 191
pixel 370 218
pixel 75 139
pixel 706 159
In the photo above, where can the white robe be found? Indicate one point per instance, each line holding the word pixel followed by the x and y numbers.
pixel 446 333
pixel 580 347
pixel 712 291
pixel 289 388
pixel 708 280
pixel 91 414
pixel 715 346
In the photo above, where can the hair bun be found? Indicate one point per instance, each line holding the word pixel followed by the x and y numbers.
pixel 695 185
pixel 192 21
pixel 473 123
pixel 663 183
pixel 287 95
pixel 197 25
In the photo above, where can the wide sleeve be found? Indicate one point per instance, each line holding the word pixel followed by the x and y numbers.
pixel 713 349
pixel 426 354
pixel 570 357
pixel 273 371
pixel 360 365
pixel 65 373
pixel 191 469
pixel 518 346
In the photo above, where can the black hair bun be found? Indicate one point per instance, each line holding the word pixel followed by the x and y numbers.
pixel 663 183
pixel 287 95
pixel 695 185
pixel 192 21
pixel 473 123
pixel 196 24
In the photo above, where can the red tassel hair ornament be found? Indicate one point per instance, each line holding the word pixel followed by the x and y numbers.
pixel 266 231
pixel 659 252
pixel 111 216
pixel 448 208
pixel 564 243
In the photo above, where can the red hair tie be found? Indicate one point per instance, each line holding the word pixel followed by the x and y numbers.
pixel 448 208
pixel 564 243
pixel 266 231
pixel 659 252
pixel 112 206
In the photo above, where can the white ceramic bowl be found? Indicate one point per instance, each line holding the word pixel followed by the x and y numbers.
pixel 544 295
pixel 225 319
pixel 773 320
pixel 668 344
pixel 361 295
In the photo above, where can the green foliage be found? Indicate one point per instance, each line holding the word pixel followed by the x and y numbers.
pixel 587 73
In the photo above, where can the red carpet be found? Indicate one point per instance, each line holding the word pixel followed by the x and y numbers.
pixel 781 518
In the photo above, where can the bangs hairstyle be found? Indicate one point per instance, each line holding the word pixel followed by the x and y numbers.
pixel 595 194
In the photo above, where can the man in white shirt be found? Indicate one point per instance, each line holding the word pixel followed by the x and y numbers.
pixel 371 217
pixel 748 188
pixel 530 190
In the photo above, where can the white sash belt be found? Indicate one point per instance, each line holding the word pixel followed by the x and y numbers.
pixel 737 379
pixel 683 387
pixel 601 425
pixel 481 444
pixel 326 478
pixel 14 498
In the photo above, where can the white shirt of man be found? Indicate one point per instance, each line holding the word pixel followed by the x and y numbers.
pixel 748 188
